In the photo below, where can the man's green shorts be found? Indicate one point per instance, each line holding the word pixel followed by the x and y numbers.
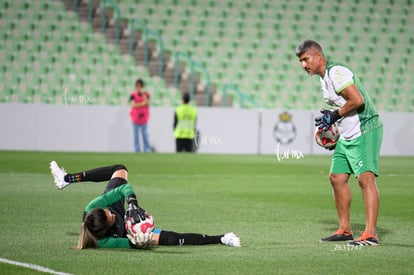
pixel 358 155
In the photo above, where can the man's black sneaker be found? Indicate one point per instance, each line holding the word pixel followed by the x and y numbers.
pixel 365 239
pixel 339 236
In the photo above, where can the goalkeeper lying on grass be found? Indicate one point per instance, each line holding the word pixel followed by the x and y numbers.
pixel 104 217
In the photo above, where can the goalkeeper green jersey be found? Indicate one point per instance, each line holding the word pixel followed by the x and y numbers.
pixel 111 197
pixel 336 78
pixel 114 201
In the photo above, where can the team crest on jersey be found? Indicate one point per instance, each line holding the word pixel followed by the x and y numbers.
pixel 284 131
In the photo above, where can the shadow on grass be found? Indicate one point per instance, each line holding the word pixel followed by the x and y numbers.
pixel 149 248
pixel 359 227
pixel 356 227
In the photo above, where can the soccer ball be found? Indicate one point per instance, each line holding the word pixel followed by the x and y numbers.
pixel 142 227
pixel 327 139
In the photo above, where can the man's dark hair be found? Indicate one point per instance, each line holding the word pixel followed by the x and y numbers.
pixel 307 45
pixel 186 98
pixel 140 82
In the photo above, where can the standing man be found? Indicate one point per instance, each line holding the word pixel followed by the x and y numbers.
pixel 184 125
pixel 139 115
pixel 357 150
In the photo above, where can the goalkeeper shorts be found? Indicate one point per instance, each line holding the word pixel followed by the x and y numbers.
pixel 358 155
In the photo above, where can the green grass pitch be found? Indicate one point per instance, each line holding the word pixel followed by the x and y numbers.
pixel 279 209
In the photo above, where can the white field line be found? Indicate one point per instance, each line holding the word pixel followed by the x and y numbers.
pixel 33 266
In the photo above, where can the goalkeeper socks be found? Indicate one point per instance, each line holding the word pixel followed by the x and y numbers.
pixel 173 238
pixel 71 178
pixel 95 175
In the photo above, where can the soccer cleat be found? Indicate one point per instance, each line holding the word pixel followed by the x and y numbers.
pixel 365 239
pixel 230 239
pixel 59 175
pixel 339 236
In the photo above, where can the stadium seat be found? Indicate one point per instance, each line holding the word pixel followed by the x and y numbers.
pixel 250 43
pixel 60 46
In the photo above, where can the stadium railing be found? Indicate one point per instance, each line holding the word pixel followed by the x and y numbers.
pixel 148 33
pixel 106 4
pixel 241 96
pixel 193 66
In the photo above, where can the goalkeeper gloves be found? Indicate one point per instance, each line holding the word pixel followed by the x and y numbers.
pixel 140 240
pixel 327 119
pixel 134 212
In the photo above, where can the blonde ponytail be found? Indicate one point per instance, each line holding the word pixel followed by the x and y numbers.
pixel 86 238
pixel 94 226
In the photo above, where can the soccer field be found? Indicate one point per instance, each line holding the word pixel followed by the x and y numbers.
pixel 279 209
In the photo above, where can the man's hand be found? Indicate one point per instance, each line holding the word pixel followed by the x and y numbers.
pixel 327 119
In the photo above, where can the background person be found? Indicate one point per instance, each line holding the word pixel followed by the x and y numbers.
pixel 185 119
pixel 139 114
pixel 103 223
pixel 358 147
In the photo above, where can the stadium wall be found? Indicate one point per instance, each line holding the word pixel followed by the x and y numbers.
pixel 222 130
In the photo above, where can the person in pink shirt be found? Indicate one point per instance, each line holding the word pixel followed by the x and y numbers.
pixel 139 115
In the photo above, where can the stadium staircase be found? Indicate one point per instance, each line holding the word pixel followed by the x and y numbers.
pixel 134 37
pixel 243 48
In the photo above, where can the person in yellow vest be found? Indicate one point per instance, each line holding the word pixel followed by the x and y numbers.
pixel 185 119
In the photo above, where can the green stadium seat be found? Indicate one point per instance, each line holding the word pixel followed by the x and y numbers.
pixel 238 41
